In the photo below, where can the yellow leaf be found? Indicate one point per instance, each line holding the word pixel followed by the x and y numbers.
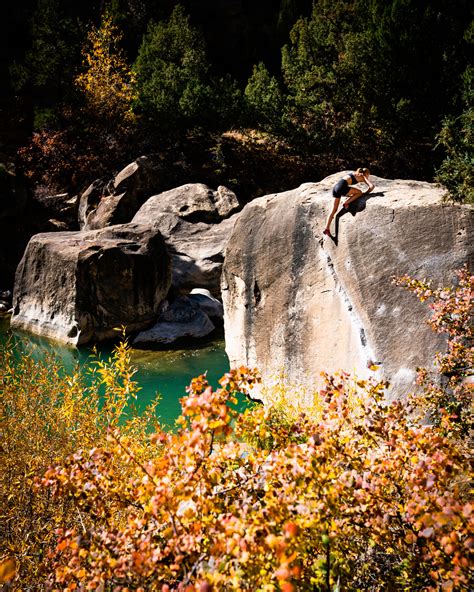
pixel 7 569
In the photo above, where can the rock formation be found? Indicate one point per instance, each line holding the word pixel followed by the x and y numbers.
pixel 116 202
pixel 79 287
pixel 183 318
pixel 196 223
pixel 186 317
pixel 300 304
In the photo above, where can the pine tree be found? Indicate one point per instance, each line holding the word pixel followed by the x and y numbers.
pixel 172 73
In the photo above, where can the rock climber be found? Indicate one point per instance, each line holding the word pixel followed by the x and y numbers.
pixel 345 186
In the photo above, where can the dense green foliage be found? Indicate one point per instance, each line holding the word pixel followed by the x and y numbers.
pixel 172 72
pixel 381 82
pixel 456 172
pixel 348 492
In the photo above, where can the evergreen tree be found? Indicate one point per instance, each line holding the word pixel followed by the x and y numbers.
pixel 374 78
pixel 264 99
pixel 456 172
pixel 48 67
pixel 172 73
pixel 319 86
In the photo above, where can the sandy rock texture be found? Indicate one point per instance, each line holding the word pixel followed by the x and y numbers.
pixel 78 287
pixel 300 303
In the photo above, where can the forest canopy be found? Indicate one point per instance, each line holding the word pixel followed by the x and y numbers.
pixel 385 82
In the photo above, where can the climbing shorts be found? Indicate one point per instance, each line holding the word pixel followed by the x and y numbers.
pixel 340 188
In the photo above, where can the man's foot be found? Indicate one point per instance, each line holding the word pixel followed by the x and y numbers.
pixel 327 232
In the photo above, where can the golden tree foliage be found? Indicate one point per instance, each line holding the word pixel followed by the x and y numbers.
pixel 107 82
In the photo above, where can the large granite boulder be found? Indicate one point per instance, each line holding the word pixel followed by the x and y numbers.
pixel 79 287
pixel 196 223
pixel 298 303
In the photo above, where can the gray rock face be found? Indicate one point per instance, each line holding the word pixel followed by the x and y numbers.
pixel 192 221
pixel 301 304
pixel 116 203
pixel 183 318
pixel 78 287
pixel 193 202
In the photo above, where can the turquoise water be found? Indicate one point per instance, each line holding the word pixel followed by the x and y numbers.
pixel 164 372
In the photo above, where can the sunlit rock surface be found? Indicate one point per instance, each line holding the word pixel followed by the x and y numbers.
pixel 79 287
pixel 298 303
pixel 196 223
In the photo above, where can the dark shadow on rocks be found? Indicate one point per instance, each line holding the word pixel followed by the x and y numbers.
pixel 358 205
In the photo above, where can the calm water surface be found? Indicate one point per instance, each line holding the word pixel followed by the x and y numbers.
pixel 164 372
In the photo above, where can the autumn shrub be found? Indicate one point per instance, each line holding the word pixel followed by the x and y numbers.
pixel 363 499
pixel 446 393
pixel 45 416
pixel 69 159
pixel 55 161
pixel 348 493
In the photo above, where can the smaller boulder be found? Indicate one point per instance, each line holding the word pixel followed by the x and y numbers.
pixel 118 202
pixel 207 303
pixel 193 202
pixel 181 319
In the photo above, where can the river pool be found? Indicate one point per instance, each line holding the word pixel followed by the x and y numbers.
pixel 164 372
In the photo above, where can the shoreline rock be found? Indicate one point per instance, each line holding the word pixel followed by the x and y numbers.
pixel 79 287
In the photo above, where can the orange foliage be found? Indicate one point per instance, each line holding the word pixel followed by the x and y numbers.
pixel 365 493
pixel 353 494
pixel 447 394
